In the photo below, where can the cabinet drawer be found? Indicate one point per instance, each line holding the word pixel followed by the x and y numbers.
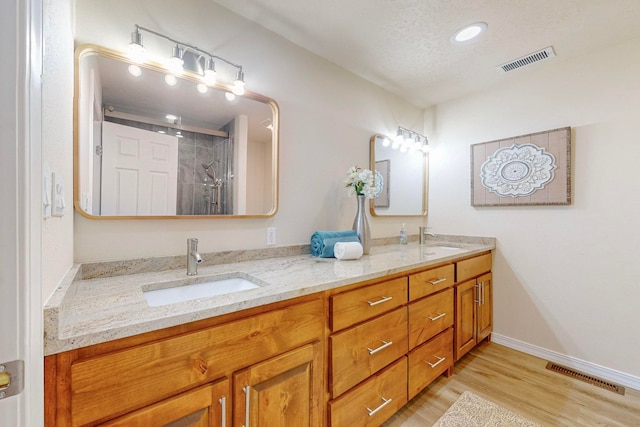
pixel 354 408
pixel 204 407
pixel 363 350
pixel 349 308
pixel 117 383
pixel 473 267
pixel 430 281
pixel 429 361
pixel 430 316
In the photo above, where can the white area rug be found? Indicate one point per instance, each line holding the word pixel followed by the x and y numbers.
pixel 473 411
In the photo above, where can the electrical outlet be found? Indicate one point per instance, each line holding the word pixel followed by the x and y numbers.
pixel 271 236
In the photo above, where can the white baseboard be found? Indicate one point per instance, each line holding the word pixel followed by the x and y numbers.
pixel 603 372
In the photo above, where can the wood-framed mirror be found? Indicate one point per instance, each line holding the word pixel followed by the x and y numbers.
pixel 146 150
pixel 405 179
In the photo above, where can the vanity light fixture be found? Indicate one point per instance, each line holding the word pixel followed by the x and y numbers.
pixel 176 62
pixel 408 140
pixel 469 32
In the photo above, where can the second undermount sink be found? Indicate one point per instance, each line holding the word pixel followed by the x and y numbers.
pixel 196 288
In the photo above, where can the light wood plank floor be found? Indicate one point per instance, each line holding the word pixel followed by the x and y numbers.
pixel 521 383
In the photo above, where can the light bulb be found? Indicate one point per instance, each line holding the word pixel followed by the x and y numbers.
pixel 134 70
pixel 175 61
pixel 210 72
pixel 170 79
pixel 202 88
pixel 386 142
pixel 238 84
pixel 136 49
pixel 230 96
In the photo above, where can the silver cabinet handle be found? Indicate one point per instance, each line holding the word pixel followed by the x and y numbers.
pixel 439 316
pixel 478 299
pixel 436 281
pixel 380 301
pixel 247 390
pixel 223 403
pixel 384 345
pixel 384 403
pixel 440 360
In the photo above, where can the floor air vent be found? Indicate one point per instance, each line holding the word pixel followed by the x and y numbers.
pixel 534 57
pixel 586 378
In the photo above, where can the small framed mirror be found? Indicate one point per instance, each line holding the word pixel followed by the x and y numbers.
pixel 404 174
pixel 146 149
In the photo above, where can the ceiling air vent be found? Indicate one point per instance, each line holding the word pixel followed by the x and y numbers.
pixel 538 56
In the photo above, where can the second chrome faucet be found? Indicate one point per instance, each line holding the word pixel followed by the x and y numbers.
pixel 193 257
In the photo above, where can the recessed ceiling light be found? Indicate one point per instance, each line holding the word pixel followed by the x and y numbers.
pixel 469 32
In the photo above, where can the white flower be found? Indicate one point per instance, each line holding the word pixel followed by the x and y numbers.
pixel 360 182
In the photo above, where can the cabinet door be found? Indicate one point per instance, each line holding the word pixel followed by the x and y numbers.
pixel 466 307
pixel 485 307
pixel 204 407
pixel 282 391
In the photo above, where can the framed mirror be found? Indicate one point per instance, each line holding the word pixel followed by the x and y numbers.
pixel 145 149
pixel 404 175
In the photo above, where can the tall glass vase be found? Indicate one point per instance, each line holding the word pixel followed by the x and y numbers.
pixel 361 225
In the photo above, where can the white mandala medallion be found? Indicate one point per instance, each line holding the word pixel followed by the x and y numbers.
pixel 518 170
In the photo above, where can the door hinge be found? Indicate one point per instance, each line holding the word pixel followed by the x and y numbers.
pixel 98 150
pixel 11 378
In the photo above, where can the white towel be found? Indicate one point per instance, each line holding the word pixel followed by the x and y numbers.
pixel 347 250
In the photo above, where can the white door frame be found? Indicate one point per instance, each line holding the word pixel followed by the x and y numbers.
pixel 20 210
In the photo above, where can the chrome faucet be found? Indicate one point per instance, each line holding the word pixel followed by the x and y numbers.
pixel 193 257
pixel 422 235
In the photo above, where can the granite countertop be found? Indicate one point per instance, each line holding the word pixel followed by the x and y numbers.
pixel 83 312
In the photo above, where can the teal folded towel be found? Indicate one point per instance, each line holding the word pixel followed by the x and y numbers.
pixel 322 242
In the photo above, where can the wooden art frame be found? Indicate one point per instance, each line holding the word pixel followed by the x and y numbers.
pixel 526 170
pixel 383 167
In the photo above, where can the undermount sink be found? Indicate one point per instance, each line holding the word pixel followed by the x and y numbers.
pixel 195 288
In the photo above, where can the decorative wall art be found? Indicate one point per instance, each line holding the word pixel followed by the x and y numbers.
pixel 533 169
pixel 382 181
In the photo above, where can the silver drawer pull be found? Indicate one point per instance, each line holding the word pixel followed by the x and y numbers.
pixel 384 403
pixel 440 360
pixel 247 390
pixel 384 345
pixel 223 403
pixel 439 316
pixel 380 301
pixel 436 281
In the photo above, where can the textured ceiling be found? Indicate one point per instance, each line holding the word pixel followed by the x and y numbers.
pixel 404 45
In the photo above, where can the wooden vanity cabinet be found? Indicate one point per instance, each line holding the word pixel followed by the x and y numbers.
pixel 389 340
pixel 473 303
pixel 277 353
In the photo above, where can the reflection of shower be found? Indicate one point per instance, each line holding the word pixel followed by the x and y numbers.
pixel 214 189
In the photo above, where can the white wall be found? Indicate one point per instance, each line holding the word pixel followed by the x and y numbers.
pixel 327 117
pixel 566 277
pixel 57 136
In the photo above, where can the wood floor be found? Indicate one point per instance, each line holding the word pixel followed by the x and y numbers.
pixel 521 383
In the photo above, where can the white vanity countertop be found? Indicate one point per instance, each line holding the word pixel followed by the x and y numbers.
pixel 86 312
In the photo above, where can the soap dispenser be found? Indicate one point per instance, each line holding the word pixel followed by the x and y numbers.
pixel 403 235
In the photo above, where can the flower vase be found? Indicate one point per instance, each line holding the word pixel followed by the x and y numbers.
pixel 361 225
